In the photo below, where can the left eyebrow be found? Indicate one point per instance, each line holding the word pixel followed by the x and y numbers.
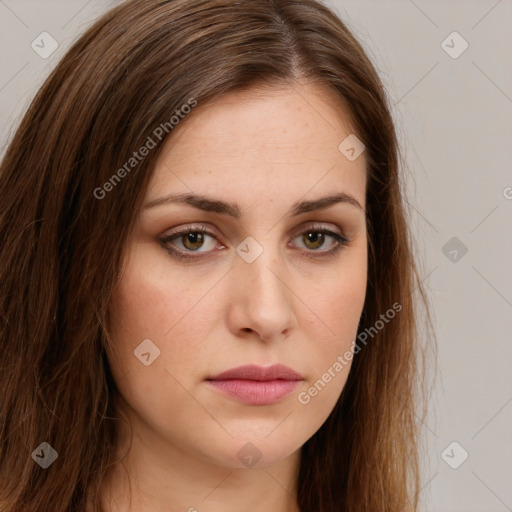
pixel 210 204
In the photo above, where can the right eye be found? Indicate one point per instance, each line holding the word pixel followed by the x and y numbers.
pixel 191 240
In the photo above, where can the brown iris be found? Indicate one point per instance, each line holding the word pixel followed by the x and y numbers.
pixel 313 237
pixel 193 241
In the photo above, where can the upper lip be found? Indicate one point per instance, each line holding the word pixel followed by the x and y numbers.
pixel 254 372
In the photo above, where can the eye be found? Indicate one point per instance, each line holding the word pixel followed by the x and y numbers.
pixel 191 239
pixel 314 239
pixel 183 244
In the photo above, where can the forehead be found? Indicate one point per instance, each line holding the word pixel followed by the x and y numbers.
pixel 266 140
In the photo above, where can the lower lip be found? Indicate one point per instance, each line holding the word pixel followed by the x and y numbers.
pixel 256 392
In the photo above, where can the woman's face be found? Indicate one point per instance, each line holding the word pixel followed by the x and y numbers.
pixel 264 285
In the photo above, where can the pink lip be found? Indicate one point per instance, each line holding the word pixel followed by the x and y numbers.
pixel 256 385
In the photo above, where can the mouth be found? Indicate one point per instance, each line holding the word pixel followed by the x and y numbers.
pixel 256 385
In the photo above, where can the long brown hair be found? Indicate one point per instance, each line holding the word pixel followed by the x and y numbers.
pixel 62 247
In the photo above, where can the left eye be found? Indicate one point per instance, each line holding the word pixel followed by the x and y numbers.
pixel 314 239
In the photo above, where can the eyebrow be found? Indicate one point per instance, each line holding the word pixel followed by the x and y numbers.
pixel 210 204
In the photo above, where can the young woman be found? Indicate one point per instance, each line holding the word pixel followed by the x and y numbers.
pixel 206 273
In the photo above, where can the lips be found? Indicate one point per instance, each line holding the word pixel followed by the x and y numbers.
pixel 253 372
pixel 256 385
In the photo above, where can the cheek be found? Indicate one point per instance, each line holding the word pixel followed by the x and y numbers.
pixel 150 303
pixel 337 298
pixel 338 303
pixel 330 356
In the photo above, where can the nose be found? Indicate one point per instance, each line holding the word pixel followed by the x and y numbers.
pixel 262 299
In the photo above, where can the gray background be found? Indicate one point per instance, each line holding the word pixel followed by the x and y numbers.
pixel 454 120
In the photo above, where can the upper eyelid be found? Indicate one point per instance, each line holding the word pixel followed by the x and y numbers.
pixel 319 225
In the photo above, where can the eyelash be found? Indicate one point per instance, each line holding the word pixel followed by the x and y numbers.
pixel 180 255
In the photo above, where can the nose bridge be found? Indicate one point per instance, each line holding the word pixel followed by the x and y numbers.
pixel 263 274
pixel 266 298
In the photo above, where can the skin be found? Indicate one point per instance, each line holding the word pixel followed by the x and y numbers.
pixel 263 149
